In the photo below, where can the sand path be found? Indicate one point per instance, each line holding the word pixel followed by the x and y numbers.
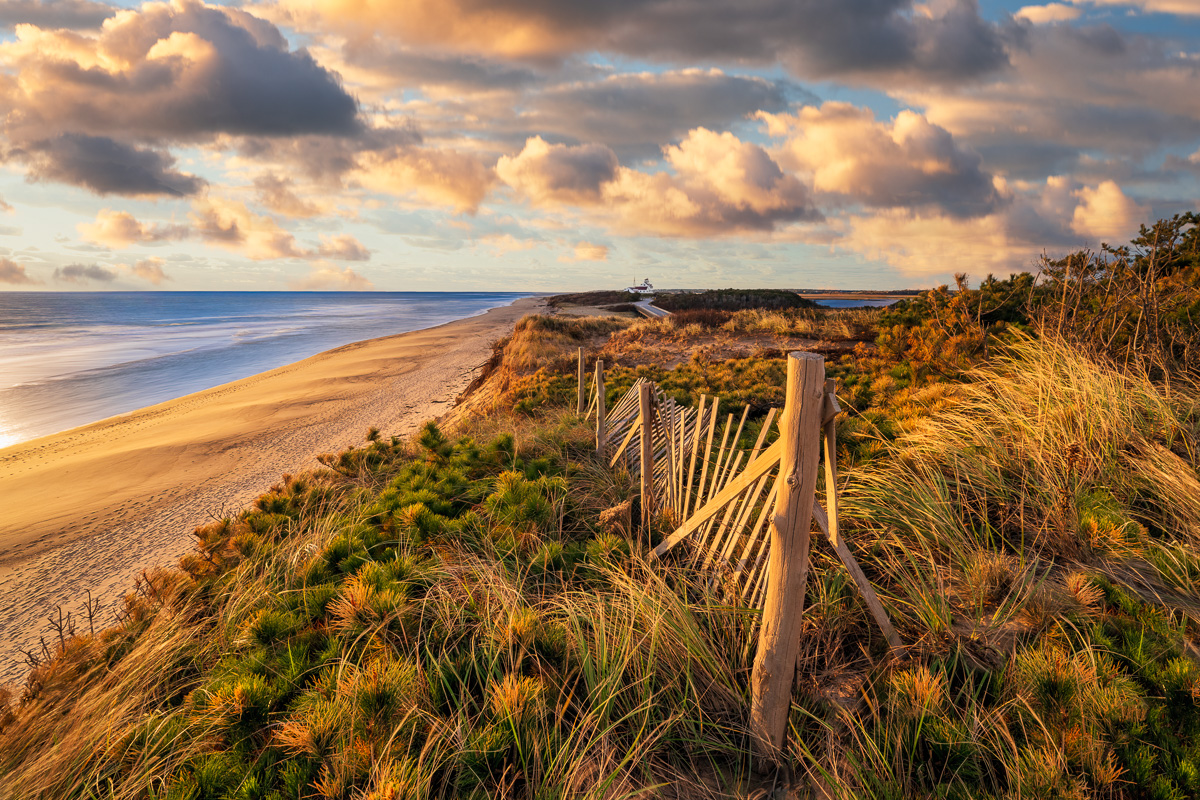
pixel 90 508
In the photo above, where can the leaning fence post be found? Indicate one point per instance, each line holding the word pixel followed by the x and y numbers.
pixel 601 421
pixel 582 401
pixel 647 462
pixel 787 566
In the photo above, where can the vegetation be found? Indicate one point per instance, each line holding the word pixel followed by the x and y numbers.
pixel 468 616
pixel 731 300
pixel 440 618
pixel 600 298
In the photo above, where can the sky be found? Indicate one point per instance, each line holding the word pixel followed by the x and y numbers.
pixel 541 145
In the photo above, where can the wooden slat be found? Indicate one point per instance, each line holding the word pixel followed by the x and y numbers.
pixel 582 386
pixel 711 489
pixel 712 427
pixel 763 432
pixel 740 522
pixel 601 411
pixel 732 472
pixel 725 476
pixel 755 536
pixel 645 399
pixel 719 530
pixel 633 429
pixel 753 471
pixel 697 428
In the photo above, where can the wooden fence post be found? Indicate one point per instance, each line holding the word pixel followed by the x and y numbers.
pixel 582 397
pixel 601 420
pixel 787 567
pixel 647 462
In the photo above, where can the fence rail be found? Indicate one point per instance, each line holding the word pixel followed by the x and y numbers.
pixel 744 514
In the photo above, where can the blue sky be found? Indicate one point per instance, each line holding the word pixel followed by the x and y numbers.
pixel 515 144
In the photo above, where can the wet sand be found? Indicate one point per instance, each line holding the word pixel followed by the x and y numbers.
pixel 90 508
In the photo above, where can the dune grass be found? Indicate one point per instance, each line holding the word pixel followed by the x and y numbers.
pixel 434 619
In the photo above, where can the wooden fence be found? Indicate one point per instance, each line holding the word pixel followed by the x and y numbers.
pixel 743 515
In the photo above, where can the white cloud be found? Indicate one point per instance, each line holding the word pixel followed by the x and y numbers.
pixel 907 162
pixel 717 185
pixel 586 251
pixel 151 269
pixel 1182 7
pixel 330 278
pixel 501 244
pixel 1107 214
pixel 1049 14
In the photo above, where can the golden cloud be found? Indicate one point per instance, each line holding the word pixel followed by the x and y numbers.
pixel 442 177
pixel 586 251
pixel 1106 214
pixel 719 185
pixel 907 162
pixel 120 229
pixel 329 278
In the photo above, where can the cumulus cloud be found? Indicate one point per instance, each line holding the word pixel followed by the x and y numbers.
pixel 222 222
pixel 98 109
pixel 907 162
pixel 343 247
pixel 182 72
pixel 106 166
pixel 502 244
pixel 1048 14
pixel 325 161
pixel 120 229
pixel 1182 7
pixel 550 175
pixel 634 113
pixel 586 251
pixel 70 14
pixel 1073 91
pixel 84 273
pixel 14 274
pixel 377 63
pixel 1106 214
pixel 1057 215
pixel 230 224
pixel 279 196
pixel 443 177
pixel 820 38
pixel 332 279
pixel 151 269
pixel 718 185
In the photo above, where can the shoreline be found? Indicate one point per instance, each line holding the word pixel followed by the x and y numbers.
pixel 91 506
pixel 292 358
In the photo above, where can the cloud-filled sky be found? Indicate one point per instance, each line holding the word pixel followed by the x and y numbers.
pixel 529 144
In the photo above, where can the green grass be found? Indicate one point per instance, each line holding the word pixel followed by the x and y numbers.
pixel 441 619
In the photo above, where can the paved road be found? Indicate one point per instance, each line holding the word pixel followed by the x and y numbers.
pixel 646 308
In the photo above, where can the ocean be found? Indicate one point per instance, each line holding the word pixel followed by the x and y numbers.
pixel 841 302
pixel 67 359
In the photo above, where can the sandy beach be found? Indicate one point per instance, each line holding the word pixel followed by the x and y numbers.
pixel 89 508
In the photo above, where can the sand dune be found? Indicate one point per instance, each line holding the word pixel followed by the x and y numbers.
pixel 91 507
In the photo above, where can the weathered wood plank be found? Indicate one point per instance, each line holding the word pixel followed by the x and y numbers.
pixel 753 471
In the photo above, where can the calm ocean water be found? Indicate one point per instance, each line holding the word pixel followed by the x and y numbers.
pixel 67 359
pixel 839 302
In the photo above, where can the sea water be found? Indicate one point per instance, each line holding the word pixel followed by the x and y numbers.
pixel 842 302
pixel 67 359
